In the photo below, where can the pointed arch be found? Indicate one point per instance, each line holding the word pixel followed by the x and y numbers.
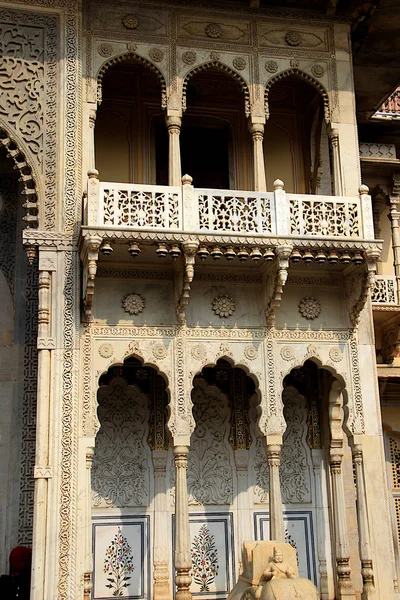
pixel 27 176
pixel 216 64
pixel 133 58
pixel 304 77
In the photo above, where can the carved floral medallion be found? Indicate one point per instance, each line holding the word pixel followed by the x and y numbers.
pixel 309 308
pixel 271 66
pixel 213 30
pixel 130 22
pixel 133 304
pixel 317 70
pixel 156 54
pixel 292 38
pixel 189 57
pixel 223 306
pixel 239 63
pixel 105 50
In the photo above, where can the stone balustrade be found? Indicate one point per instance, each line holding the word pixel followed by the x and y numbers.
pixel 378 151
pixel 187 209
pixel 384 290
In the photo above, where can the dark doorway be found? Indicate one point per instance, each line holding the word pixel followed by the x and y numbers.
pixel 205 155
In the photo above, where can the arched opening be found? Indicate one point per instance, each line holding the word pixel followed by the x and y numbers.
pixel 131 140
pixel 127 481
pixel 296 144
pixel 215 142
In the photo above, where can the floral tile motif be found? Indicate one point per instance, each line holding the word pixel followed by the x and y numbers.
pixel 204 559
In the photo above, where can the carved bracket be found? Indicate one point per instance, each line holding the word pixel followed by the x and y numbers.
pixel 189 257
pixel 89 257
pixel 274 282
pixel 358 285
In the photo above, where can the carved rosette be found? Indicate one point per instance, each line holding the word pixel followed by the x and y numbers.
pixel 335 354
pixel 318 70
pixel 239 63
pixel 213 31
pixel 223 306
pixel 156 54
pixel 106 350
pixel 271 66
pixel 293 38
pixel 130 22
pixel 133 304
pixel 198 352
pixel 159 351
pixel 105 50
pixel 189 57
pixel 309 308
pixel 287 353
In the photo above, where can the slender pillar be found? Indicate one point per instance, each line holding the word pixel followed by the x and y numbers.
pixel 395 221
pixel 182 557
pixel 161 587
pixel 87 576
pixel 174 160
pixel 276 526
pixel 363 527
pixel 42 471
pixel 336 165
pixel 323 536
pixel 257 134
pixel 244 525
pixel 345 586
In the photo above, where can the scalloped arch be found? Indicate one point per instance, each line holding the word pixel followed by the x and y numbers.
pixel 305 77
pixel 27 176
pixel 216 64
pixel 134 58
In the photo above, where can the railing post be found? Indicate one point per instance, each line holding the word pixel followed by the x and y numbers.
pixel 190 205
pixel 92 216
pixel 366 212
pixel 282 211
pixel 336 164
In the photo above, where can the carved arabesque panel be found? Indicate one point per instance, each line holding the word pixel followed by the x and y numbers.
pixel 120 472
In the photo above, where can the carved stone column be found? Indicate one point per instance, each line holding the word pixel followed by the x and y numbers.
pixel 257 134
pixel 395 221
pixel 87 576
pixel 161 587
pixel 91 149
pixel 42 470
pixel 276 526
pixel 174 160
pixel 182 556
pixel 243 509
pixel 336 163
pixel 363 527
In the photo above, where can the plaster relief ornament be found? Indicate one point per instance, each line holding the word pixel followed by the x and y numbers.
pixel 133 304
pixel 309 308
pixel 250 352
pixel 106 350
pixel 317 70
pixel 223 306
pixel 189 57
pixel 239 63
pixel 271 66
pixel 131 47
pixel 156 54
pixel 215 56
pixel 335 354
pixel 287 353
pixel 105 50
pixel 292 38
pixel 159 351
pixel 213 30
pixel 198 352
pixel 130 22
pixel 294 63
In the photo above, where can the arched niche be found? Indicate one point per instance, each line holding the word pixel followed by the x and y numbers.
pixel 131 141
pixel 296 143
pixel 215 142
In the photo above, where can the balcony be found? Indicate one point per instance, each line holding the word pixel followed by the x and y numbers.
pixel 190 210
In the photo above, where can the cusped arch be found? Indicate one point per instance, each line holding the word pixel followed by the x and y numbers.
pixel 304 77
pixel 216 64
pixel 28 177
pixel 134 58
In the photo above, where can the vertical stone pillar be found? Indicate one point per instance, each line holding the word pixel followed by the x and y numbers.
pixel 395 222
pixel 92 150
pixel 182 556
pixel 87 576
pixel 336 164
pixel 174 159
pixel 244 529
pixel 345 586
pixel 363 527
pixel 257 134
pixel 42 470
pixel 161 587
pixel 276 526
pixel 323 536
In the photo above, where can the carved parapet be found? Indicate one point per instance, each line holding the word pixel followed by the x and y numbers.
pixel 275 279
pixel 89 257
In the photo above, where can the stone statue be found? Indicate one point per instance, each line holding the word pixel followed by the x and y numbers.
pixel 277 568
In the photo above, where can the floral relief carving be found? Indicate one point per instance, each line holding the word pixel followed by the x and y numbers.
pixel 159 351
pixel 156 54
pixel 213 30
pixel 335 354
pixel 250 353
pixel 293 38
pixel 223 306
pixel 287 353
pixel 133 304
pixel 189 57
pixel 130 22
pixel 294 63
pixel 209 468
pixel 105 50
pixel 309 308
pixel 271 66
pixel 120 472
pixel 198 352
pixel 131 46
pixel 106 350
pixel 317 70
pixel 239 63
